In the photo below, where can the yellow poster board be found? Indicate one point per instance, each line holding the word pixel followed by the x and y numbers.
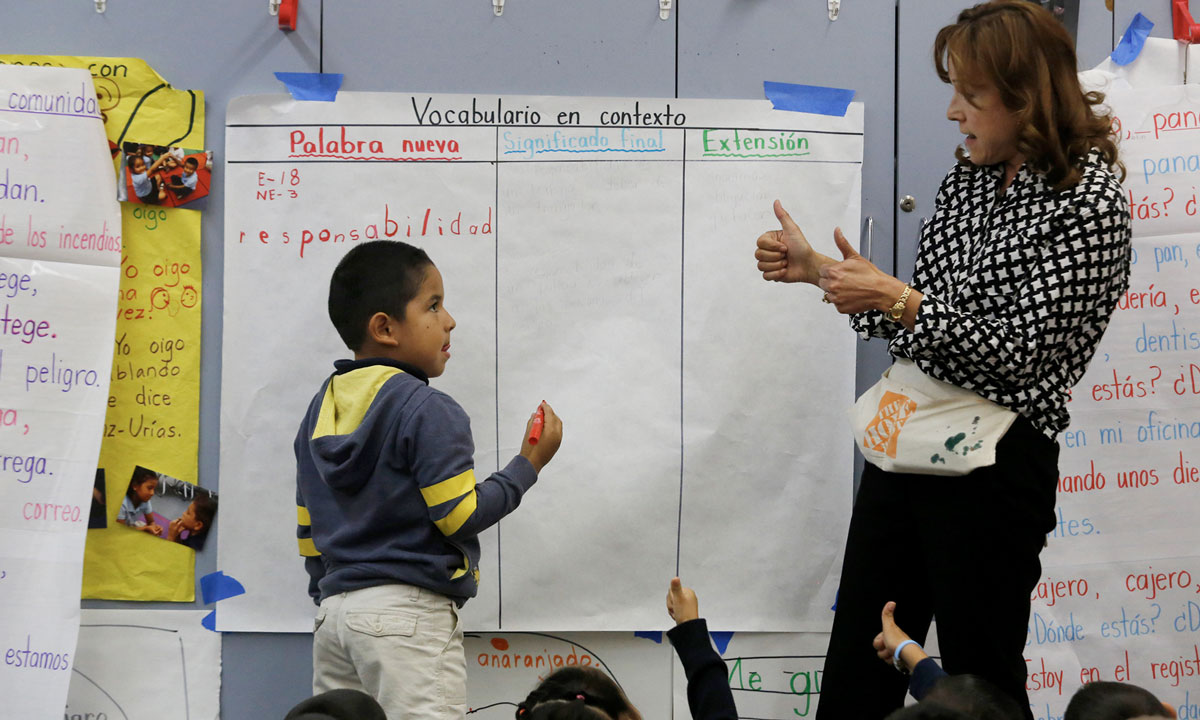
pixel 153 406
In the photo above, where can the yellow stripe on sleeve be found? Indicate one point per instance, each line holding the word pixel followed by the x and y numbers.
pixel 302 516
pixel 449 489
pixel 459 515
pixel 307 548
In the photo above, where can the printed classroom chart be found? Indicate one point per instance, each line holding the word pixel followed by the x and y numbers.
pixel 598 254
pixel 174 673
pixel 60 250
pixel 1120 597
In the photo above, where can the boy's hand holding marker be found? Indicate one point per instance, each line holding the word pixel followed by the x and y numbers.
pixel 539 446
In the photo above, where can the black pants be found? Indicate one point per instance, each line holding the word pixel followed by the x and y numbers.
pixel 962 549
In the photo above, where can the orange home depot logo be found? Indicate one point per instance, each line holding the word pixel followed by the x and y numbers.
pixel 883 432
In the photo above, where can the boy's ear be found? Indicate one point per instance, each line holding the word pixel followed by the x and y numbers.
pixel 381 329
pixel 199 526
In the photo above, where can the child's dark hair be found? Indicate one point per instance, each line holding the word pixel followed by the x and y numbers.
pixel 206 509
pixel 928 711
pixel 576 693
pixel 376 276
pixel 974 696
pixel 140 475
pixel 1104 700
pixel 192 162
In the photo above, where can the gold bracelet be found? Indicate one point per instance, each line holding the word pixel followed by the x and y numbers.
pixel 897 310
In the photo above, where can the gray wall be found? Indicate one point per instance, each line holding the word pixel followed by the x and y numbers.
pixel 708 48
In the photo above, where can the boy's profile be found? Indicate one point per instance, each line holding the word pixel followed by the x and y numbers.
pixel 389 508
pixel 191 528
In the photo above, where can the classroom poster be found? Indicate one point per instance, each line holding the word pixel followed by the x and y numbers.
pixel 170 666
pixel 153 406
pixel 502 667
pixel 597 253
pixel 60 250
pixel 1120 595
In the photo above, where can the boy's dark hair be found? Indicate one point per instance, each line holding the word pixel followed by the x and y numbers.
pixel 376 276
pixel 140 475
pixel 192 161
pixel 974 696
pixel 564 710
pixel 928 711
pixel 575 692
pixel 343 704
pixel 1105 700
pixel 206 509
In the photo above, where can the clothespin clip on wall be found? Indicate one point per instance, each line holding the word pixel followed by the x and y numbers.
pixel 287 10
pixel 497 7
pixel 664 9
pixel 835 7
pixel 1185 28
pixel 101 5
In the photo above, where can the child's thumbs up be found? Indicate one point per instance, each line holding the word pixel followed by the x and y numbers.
pixel 682 604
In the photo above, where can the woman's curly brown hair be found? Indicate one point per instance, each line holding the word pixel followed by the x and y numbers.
pixel 1028 55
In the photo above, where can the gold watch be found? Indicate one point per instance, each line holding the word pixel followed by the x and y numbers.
pixel 897 311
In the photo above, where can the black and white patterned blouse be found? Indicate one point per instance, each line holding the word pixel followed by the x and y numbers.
pixel 1018 288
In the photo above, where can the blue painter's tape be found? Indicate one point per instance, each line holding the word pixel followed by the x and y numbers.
pixel 721 640
pixel 808 98
pixel 218 586
pixel 655 636
pixel 1132 41
pixel 209 621
pixel 312 86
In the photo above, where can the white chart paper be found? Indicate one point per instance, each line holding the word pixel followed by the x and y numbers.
pixel 60 249
pixel 598 254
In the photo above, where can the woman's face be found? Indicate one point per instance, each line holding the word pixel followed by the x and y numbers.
pixel 991 128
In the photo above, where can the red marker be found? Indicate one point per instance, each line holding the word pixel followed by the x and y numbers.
pixel 535 430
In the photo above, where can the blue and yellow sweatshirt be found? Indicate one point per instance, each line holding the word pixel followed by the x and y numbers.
pixel 385 485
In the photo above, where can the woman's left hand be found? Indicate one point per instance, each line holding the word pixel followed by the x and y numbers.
pixel 855 285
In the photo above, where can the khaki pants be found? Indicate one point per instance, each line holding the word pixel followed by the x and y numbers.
pixel 399 643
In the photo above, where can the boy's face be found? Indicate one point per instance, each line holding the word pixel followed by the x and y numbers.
pixel 145 490
pixel 138 164
pixel 423 335
pixel 189 168
pixel 188 518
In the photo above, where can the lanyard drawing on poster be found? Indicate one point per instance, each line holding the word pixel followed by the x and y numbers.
pixel 152 417
pixel 60 249
pixel 1120 595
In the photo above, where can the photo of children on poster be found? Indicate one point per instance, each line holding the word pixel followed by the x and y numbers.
pixel 167 508
pixel 160 175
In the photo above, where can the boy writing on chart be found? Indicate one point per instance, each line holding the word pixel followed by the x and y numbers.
pixel 389 508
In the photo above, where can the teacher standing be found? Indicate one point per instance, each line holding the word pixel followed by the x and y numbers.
pixel 1017 273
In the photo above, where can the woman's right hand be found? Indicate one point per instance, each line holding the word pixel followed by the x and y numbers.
pixel 784 255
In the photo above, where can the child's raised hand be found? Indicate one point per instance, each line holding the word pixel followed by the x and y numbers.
pixel 682 604
pixel 174 529
pixel 539 454
pixel 885 642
